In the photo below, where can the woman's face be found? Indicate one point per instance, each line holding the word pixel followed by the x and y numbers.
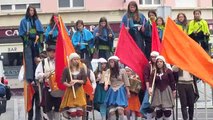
pixel 103 65
pixel 153 59
pixel 103 24
pixel 160 63
pixel 181 18
pixel 128 72
pixel 152 16
pixel 31 12
pixel 112 63
pixel 132 8
pixel 197 15
pixel 75 61
pixel 80 27
pixel 159 22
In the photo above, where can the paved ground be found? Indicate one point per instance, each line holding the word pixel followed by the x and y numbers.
pixel 15 106
pixel 15 111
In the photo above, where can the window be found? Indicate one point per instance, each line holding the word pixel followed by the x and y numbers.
pixel 186 3
pixel 78 3
pixel 20 6
pixel 6 7
pixel 11 64
pixel 71 3
pixel 36 5
pixel 149 2
pixel 64 3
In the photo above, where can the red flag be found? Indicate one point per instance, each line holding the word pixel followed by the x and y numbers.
pixel 156 45
pixel 64 48
pixel 130 54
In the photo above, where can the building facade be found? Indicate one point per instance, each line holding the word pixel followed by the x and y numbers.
pixel 90 11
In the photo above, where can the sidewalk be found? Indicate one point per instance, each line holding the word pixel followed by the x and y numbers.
pixel 15 83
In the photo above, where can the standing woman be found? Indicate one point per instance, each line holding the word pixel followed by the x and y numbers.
pixel 31 32
pixel 198 30
pixel 104 38
pixel 181 21
pixel 74 77
pixel 133 102
pixel 161 25
pixel 186 84
pixel 100 93
pixel 146 109
pixel 164 90
pixel 134 22
pixel 83 41
pixel 116 97
pixel 51 32
pixel 148 32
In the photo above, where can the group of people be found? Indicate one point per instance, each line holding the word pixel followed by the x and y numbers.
pixel 117 90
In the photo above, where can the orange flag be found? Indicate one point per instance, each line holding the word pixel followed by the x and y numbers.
pixel 28 95
pixel 180 50
pixel 64 48
pixel 88 89
pixel 28 92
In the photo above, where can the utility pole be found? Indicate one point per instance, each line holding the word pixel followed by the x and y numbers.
pixel 164 11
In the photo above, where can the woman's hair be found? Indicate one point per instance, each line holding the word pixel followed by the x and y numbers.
pixel 100 69
pixel 136 13
pixel 27 15
pixel 185 18
pixel 2 80
pixel 78 22
pixel 52 21
pixel 163 22
pixel 114 71
pixel 153 12
pixel 197 10
pixel 103 19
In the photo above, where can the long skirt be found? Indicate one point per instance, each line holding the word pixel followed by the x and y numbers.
pixel 69 101
pixel 134 103
pixel 100 94
pixel 116 98
pixel 163 99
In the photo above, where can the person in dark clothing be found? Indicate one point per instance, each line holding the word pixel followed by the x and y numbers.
pixel 148 32
pixel 186 90
pixel 134 22
pixel 104 38
pixel 164 90
pixel 31 32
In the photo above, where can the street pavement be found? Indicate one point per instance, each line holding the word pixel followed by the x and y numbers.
pixel 15 106
pixel 15 111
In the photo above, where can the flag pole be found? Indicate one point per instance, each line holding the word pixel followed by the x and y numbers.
pixel 73 88
pixel 153 85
